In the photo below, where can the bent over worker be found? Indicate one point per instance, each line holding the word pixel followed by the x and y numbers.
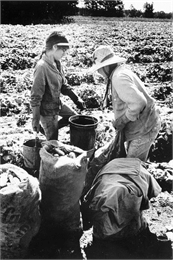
pixel 135 112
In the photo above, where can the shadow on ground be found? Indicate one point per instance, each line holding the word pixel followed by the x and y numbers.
pixel 54 246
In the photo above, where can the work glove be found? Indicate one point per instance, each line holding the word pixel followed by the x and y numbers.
pixel 120 122
pixel 80 104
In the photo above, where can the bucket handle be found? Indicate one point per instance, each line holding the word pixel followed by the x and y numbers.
pixel 35 146
pixel 36 139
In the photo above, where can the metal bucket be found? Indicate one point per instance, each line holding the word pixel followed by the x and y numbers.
pixel 31 150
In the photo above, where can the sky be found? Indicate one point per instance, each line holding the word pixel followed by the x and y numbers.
pixel 158 5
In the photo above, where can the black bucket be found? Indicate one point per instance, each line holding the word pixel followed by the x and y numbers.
pixel 82 131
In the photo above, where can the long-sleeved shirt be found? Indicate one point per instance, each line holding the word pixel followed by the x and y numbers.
pixel 129 97
pixel 48 83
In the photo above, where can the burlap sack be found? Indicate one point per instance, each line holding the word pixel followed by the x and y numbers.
pixel 114 149
pixel 20 217
pixel 61 182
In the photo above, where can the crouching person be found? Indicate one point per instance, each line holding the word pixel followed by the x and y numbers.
pixel 120 192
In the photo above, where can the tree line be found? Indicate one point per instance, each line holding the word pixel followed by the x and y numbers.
pixel 116 9
pixel 34 12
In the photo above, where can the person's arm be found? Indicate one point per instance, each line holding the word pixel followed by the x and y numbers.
pixel 67 91
pixel 37 93
pixel 36 119
pixel 134 99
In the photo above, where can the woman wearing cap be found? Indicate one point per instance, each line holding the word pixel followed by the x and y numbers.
pixel 49 82
pixel 134 109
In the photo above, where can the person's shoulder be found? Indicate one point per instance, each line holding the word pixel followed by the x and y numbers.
pixel 122 74
pixel 121 71
pixel 124 69
pixel 41 65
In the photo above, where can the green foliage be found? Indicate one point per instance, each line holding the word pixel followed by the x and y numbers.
pixel 76 79
pixel 161 150
pixel 28 12
pixel 163 15
pixel 91 98
pixel 148 10
pixel 92 5
pixel 105 8
pixel 116 9
pixel 134 12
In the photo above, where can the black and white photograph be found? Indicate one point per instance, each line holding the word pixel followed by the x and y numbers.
pixel 86 126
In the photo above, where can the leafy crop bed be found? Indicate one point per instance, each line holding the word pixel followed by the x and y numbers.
pixel 148 49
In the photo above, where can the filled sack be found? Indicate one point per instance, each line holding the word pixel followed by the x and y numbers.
pixel 20 197
pixel 120 192
pixel 62 174
pixel 114 149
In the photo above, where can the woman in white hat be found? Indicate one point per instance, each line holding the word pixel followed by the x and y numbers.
pixel 134 109
pixel 49 82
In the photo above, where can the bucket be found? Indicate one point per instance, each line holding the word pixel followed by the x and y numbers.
pixel 31 150
pixel 82 131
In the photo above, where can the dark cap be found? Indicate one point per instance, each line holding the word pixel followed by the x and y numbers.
pixel 56 38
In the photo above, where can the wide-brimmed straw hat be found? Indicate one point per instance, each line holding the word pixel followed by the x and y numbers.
pixel 104 56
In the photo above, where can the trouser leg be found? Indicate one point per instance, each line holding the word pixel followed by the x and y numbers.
pixel 50 126
pixel 139 148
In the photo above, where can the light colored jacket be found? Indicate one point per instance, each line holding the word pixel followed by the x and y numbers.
pixel 130 97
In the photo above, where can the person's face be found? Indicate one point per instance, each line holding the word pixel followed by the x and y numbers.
pixel 59 52
pixel 104 71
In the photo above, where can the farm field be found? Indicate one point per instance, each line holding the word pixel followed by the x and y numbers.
pixel 149 52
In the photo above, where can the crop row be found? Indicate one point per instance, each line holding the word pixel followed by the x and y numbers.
pixel 25 60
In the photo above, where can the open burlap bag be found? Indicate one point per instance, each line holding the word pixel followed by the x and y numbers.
pixel 61 182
